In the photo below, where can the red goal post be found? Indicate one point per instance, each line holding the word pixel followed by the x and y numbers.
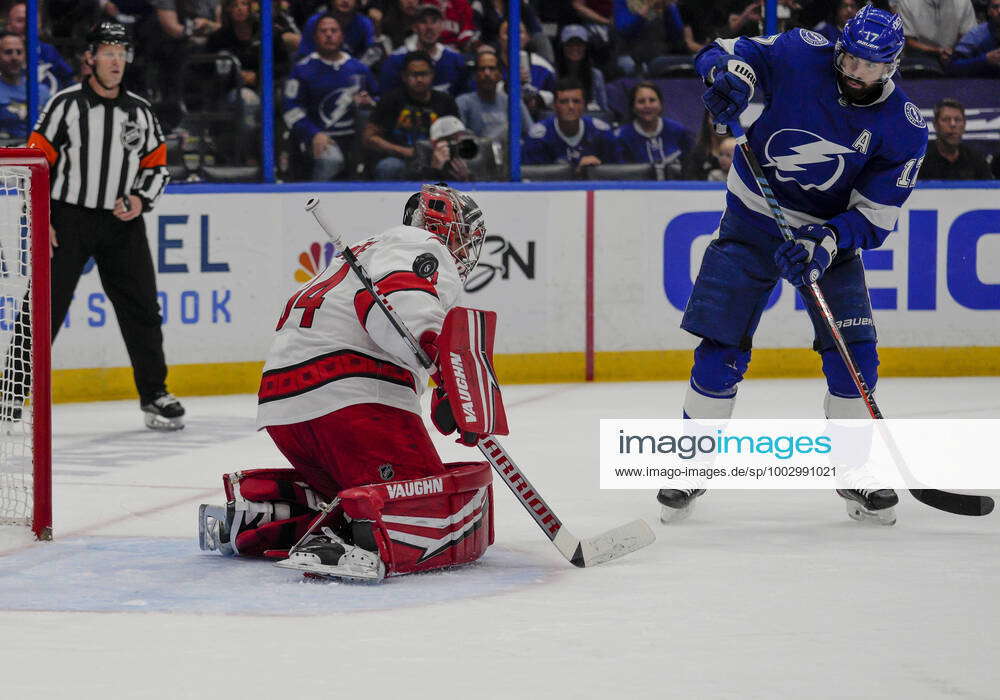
pixel 25 387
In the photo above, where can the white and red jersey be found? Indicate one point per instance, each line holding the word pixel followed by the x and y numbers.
pixel 334 347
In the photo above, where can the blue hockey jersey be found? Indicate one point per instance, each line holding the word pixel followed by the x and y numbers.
pixel 547 144
pixel 450 70
pixel 319 95
pixel 670 143
pixel 828 161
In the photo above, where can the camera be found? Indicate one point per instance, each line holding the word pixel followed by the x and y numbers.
pixel 466 149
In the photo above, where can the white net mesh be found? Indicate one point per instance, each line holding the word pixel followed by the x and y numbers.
pixel 16 448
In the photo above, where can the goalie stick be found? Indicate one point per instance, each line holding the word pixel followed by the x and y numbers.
pixel 957 503
pixel 610 545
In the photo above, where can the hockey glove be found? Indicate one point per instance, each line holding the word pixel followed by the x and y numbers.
pixel 444 420
pixel 731 83
pixel 804 260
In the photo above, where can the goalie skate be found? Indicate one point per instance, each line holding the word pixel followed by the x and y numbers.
pixel 163 412
pixel 870 505
pixel 213 530
pixel 329 556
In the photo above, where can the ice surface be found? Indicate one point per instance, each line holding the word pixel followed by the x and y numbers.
pixel 757 595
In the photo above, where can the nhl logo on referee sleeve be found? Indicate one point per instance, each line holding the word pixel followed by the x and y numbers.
pixel 425 265
pixel 131 135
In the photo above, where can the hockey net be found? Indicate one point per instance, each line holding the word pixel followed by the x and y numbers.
pixel 25 428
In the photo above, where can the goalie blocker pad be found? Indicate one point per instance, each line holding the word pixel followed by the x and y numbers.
pixel 466 364
pixel 427 523
pixel 253 494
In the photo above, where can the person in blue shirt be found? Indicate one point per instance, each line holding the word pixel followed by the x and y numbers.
pixel 841 146
pixel 451 74
pixel 568 136
pixel 977 54
pixel 53 70
pixel 358 29
pixel 650 137
pixel 834 25
pixel 321 98
pixel 14 91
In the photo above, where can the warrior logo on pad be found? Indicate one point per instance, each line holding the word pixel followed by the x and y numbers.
pixel 805 158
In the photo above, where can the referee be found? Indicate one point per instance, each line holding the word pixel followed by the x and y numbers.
pixel 108 164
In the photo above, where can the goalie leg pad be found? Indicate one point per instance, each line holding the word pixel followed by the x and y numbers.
pixel 427 523
pixel 265 509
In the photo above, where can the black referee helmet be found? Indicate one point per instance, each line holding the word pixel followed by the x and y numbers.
pixel 109 33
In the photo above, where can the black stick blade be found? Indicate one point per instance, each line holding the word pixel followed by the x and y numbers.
pixel 957 503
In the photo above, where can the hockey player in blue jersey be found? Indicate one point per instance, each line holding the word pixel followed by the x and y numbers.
pixel 841 147
pixel 321 98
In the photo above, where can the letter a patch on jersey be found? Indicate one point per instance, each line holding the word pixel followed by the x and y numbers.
pixel 862 142
pixel 466 345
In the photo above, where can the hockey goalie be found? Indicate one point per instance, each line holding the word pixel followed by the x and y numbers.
pixel 340 398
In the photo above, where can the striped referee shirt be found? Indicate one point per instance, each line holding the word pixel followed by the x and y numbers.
pixel 100 149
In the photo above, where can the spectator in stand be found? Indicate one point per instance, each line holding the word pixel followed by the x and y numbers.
pixel 724 156
pixel 596 16
pixel 645 30
pixel 450 73
pixel 947 157
pixel 180 27
pixel 14 91
pixel 831 28
pixel 188 19
pixel 538 77
pixel 978 52
pixel 568 136
pixel 459 30
pixel 494 12
pixel 574 61
pixel 933 28
pixel 395 19
pixel 703 21
pixel 441 158
pixel 359 30
pixel 321 100
pixel 703 163
pixel 404 117
pixel 240 36
pixel 485 110
pixel 53 71
pixel 650 137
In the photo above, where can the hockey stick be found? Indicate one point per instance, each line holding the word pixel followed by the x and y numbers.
pixel 579 552
pixel 958 503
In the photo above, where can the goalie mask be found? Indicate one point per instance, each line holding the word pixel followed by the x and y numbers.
pixel 452 216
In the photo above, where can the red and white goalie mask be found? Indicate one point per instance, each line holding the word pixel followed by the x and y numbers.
pixel 456 219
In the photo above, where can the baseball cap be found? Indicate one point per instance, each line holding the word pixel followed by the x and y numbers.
pixel 443 127
pixel 427 8
pixel 573 31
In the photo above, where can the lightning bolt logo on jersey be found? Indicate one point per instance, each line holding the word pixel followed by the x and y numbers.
pixel 827 160
pixel 805 158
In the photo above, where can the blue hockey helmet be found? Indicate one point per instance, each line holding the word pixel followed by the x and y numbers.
pixel 872 36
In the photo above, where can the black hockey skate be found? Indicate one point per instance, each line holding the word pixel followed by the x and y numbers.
pixel 677 503
pixel 163 411
pixel 871 505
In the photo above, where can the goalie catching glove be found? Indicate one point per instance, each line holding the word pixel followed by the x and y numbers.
pixel 467 398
